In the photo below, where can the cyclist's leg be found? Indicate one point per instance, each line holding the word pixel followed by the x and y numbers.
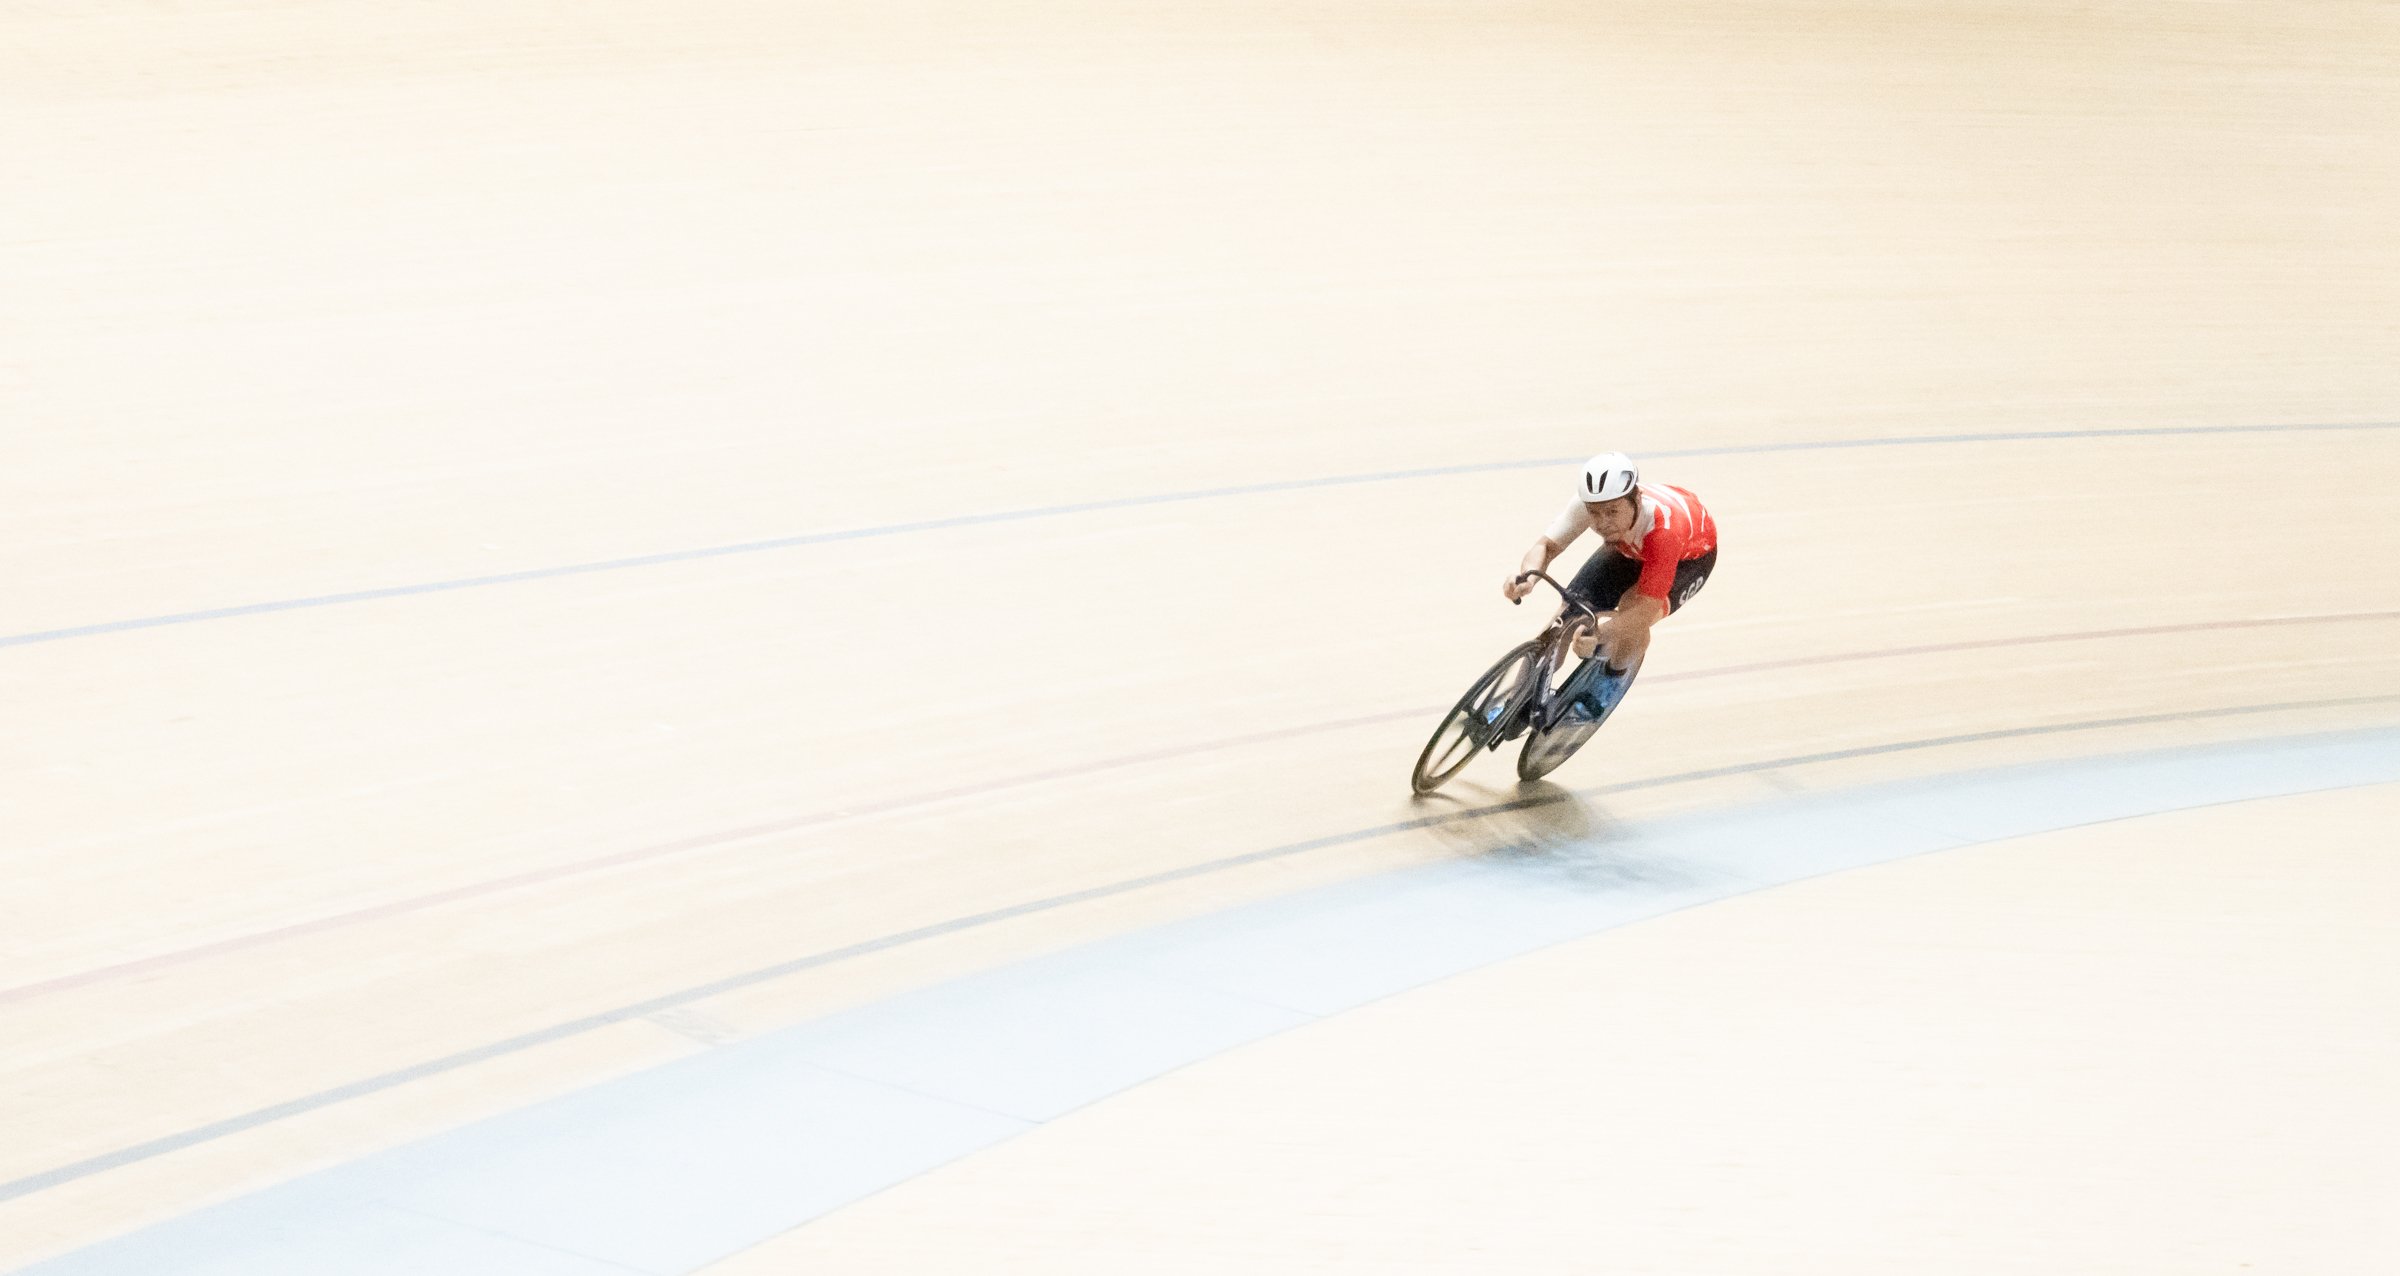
pixel 1604 577
pixel 1601 581
pixel 1608 686
pixel 1691 575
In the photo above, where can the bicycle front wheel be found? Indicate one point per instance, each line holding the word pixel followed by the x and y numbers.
pixel 1477 721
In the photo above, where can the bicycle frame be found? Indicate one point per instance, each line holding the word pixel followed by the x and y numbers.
pixel 1515 696
pixel 1546 702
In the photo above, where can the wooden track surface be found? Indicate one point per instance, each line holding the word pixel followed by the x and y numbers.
pixel 2062 1053
pixel 1272 315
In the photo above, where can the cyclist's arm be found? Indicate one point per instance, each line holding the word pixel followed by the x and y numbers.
pixel 1649 601
pixel 1570 523
pixel 1537 558
pixel 1544 552
pixel 1628 631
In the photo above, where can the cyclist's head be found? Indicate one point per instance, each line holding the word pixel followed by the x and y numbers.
pixel 1607 477
pixel 1606 489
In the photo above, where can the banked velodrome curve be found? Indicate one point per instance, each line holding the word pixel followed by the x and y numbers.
pixel 683 997
pixel 158 961
pixel 163 960
pixel 129 1155
pixel 553 555
pixel 666 557
pixel 671 1170
pixel 323 1099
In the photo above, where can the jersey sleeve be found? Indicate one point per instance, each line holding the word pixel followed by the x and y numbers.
pixel 1662 553
pixel 1573 521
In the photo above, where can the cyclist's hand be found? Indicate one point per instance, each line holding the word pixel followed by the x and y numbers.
pixel 1517 587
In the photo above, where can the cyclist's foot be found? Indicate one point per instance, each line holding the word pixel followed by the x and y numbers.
pixel 1605 691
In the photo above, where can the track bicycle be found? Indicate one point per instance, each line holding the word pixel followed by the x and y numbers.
pixel 1524 695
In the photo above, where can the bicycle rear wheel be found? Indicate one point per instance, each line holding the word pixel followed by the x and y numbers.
pixel 1548 747
pixel 1477 721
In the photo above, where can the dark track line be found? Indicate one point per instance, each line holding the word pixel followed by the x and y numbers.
pixel 575 1027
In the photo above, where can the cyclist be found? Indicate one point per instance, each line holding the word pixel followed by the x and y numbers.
pixel 1657 546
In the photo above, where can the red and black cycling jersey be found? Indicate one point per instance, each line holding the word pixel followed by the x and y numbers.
pixel 1673 527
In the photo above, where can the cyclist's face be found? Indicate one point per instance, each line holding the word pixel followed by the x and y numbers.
pixel 1612 518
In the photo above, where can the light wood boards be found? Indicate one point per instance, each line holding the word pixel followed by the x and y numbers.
pixel 2152 1046
pixel 316 299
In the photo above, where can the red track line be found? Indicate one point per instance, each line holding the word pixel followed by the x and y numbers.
pixel 701 841
pixel 535 877
pixel 2031 640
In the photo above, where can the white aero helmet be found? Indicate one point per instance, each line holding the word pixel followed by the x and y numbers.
pixel 1607 477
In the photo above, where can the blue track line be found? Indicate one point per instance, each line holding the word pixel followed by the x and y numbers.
pixel 133 1154
pixel 1094 507
pixel 670 1168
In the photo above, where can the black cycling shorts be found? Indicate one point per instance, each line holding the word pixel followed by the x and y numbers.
pixel 1608 574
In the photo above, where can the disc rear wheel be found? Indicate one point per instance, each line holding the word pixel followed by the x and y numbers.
pixel 1573 722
